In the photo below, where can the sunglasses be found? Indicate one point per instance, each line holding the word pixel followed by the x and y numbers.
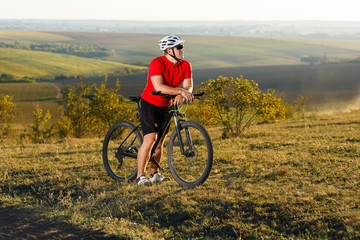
pixel 179 47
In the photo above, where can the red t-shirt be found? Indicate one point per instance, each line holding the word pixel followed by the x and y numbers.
pixel 173 76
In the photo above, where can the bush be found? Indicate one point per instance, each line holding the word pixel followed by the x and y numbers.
pixel 7 113
pixel 76 105
pixel 7 109
pixel 7 78
pixel 301 103
pixel 40 131
pixel 108 107
pixel 202 113
pixel 90 110
pixel 237 103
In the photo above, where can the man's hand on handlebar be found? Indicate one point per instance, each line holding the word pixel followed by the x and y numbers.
pixel 188 96
pixel 179 99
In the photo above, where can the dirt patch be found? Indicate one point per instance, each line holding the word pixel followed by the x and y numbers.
pixel 23 223
pixel 59 94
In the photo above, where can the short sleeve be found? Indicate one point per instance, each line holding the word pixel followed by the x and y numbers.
pixel 155 68
pixel 188 72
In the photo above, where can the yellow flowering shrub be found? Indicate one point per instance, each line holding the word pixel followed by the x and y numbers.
pixel 237 102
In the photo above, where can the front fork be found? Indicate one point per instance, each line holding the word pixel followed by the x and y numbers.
pixel 187 153
pixel 177 121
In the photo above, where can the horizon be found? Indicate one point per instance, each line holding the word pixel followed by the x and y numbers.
pixel 307 28
pixel 186 10
pixel 176 21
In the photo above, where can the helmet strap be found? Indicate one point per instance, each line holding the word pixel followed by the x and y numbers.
pixel 173 56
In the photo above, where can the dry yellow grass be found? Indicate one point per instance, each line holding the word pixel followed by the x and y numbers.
pixel 293 179
pixel 32 36
pixel 27 96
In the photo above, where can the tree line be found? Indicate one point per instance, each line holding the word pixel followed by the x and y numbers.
pixel 81 50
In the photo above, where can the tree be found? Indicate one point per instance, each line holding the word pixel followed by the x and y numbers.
pixel 236 103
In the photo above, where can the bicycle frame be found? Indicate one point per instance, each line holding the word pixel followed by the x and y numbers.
pixel 174 113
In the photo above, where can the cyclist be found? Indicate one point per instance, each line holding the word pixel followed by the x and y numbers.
pixel 166 74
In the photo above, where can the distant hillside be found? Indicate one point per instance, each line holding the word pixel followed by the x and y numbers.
pixel 202 51
pixel 326 83
pixel 220 51
pixel 33 64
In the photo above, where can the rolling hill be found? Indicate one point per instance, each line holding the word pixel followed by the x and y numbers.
pixel 204 52
pixel 220 51
pixel 26 63
pixel 272 62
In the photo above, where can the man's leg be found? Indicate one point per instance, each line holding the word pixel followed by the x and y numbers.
pixel 155 176
pixel 144 153
pixel 157 156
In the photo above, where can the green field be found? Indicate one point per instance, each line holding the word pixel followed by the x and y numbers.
pixel 219 51
pixel 25 63
pixel 293 179
pixel 204 52
pixel 270 61
pixel 31 36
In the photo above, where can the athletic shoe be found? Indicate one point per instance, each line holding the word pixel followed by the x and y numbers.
pixel 143 181
pixel 157 177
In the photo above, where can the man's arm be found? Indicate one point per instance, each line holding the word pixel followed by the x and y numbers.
pixel 158 83
pixel 188 84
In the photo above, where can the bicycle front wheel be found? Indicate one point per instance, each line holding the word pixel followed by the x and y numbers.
pixel 120 148
pixel 191 167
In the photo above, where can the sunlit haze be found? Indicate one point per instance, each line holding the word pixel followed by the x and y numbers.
pixel 196 10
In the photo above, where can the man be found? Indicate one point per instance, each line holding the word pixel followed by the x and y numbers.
pixel 166 74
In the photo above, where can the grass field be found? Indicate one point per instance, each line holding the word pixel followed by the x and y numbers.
pixel 26 63
pixel 31 36
pixel 293 179
pixel 204 52
pixel 27 96
pixel 220 51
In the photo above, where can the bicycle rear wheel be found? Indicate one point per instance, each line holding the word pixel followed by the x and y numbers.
pixel 192 167
pixel 120 148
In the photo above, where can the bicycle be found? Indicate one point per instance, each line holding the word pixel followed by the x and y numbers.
pixel 189 149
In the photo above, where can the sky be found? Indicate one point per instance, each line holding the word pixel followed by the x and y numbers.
pixel 184 10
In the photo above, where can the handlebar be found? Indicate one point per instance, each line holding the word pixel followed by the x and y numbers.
pixel 168 96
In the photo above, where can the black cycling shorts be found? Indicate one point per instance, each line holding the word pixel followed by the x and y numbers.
pixel 152 117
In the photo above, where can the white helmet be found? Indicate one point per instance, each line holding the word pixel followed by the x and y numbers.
pixel 170 41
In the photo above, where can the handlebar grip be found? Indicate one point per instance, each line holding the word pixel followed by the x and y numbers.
pixel 199 94
pixel 168 96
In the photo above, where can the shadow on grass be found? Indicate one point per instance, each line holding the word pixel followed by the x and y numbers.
pixel 215 219
pixel 53 154
pixel 24 223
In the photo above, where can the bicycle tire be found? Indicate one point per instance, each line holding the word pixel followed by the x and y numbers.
pixel 191 170
pixel 120 155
